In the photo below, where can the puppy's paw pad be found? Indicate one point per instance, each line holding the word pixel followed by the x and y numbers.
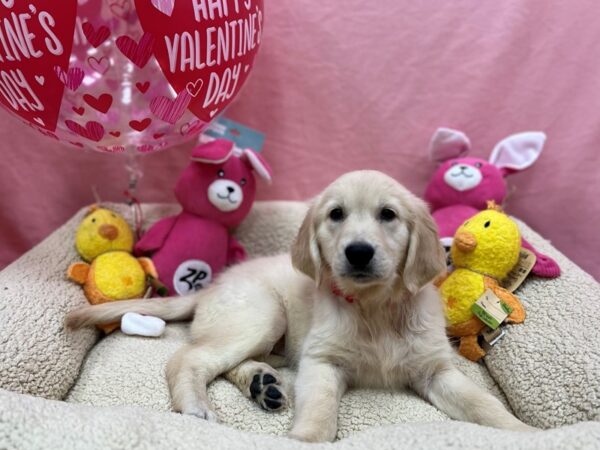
pixel 266 389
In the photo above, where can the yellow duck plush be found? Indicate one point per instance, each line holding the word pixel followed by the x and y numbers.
pixel 484 250
pixel 105 240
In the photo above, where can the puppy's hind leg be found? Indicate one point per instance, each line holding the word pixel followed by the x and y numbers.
pixel 459 397
pixel 226 330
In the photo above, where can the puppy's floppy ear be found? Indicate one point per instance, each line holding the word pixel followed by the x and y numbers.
pixel 306 256
pixel 425 257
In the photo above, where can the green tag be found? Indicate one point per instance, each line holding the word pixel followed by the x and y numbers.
pixel 490 309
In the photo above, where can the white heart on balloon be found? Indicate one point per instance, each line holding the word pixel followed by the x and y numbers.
pixel 164 6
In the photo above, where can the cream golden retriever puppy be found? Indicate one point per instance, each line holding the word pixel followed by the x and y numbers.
pixel 352 306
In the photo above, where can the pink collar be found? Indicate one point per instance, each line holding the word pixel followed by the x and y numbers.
pixel 338 293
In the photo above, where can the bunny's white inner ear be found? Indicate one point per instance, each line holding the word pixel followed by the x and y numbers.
pixel 447 143
pixel 259 166
pixel 518 151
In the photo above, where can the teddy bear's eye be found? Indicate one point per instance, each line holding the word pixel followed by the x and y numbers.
pixel 221 173
pixel 114 216
pixel 478 165
pixel 487 224
pixel 243 181
pixel 94 220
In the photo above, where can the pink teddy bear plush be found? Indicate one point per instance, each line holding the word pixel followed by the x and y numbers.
pixel 461 186
pixel 216 192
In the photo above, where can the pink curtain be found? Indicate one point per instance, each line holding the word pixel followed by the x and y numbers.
pixel 347 85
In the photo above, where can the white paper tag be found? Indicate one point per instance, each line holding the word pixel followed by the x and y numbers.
pixel 490 309
pixel 517 275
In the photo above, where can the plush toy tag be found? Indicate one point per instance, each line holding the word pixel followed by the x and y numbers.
pixel 243 137
pixel 490 309
pixel 517 276
pixel 491 337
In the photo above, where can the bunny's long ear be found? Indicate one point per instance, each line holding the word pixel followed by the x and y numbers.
pixel 259 164
pixel 447 143
pixel 213 152
pixel 518 151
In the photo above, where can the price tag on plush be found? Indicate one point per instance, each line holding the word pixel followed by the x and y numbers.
pixel 241 135
pixel 517 275
pixel 490 309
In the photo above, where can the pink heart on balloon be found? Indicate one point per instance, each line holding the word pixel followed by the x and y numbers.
pixel 140 125
pixel 93 131
pixel 164 6
pixel 95 36
pixel 170 110
pixel 99 65
pixel 195 126
pixel 71 79
pixel 138 53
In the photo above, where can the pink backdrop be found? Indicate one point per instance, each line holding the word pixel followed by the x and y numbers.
pixel 364 85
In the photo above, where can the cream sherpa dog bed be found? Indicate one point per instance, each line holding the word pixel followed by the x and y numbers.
pixel 115 396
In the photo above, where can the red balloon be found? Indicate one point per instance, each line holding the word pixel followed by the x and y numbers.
pixel 125 75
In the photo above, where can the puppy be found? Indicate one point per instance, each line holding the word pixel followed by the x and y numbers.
pixel 353 306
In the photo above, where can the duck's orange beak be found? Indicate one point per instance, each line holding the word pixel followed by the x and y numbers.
pixel 465 241
pixel 109 232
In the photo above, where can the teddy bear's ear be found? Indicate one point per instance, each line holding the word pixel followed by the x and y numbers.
pixel 214 152
pixel 518 151
pixel 447 143
pixel 260 166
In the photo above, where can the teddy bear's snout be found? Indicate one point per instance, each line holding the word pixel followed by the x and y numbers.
pixel 465 241
pixel 109 232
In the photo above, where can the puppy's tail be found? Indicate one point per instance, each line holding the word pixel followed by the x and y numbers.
pixel 171 308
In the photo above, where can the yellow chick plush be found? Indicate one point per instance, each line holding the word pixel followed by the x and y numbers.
pixel 105 240
pixel 484 250
pixel 100 231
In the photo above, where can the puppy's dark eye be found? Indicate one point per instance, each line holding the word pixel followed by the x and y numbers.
pixel 387 215
pixel 243 181
pixel 221 173
pixel 487 224
pixel 336 214
pixel 478 165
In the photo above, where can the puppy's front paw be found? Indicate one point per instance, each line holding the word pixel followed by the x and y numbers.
pixel 266 389
pixel 202 412
pixel 311 435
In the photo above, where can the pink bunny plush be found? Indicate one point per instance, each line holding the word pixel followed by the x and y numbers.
pixel 216 192
pixel 461 186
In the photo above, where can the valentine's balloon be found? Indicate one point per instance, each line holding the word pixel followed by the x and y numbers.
pixel 125 75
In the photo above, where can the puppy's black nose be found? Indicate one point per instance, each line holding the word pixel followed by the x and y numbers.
pixel 230 189
pixel 359 254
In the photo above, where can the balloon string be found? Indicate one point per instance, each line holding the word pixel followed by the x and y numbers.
pixel 135 173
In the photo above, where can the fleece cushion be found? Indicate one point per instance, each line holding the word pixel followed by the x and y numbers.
pixel 33 423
